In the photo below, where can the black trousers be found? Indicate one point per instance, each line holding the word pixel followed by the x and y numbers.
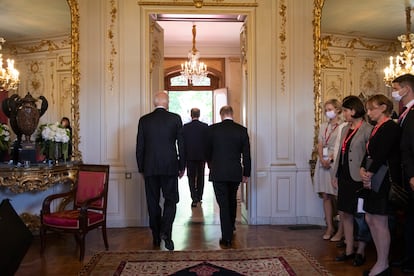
pixel 161 221
pixel 226 195
pixel 195 174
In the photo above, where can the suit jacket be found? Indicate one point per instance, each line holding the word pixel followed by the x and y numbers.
pixel 407 144
pixel 195 140
pixel 159 135
pixel 357 149
pixel 229 148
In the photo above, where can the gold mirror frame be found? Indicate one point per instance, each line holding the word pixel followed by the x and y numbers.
pixel 317 15
pixel 74 13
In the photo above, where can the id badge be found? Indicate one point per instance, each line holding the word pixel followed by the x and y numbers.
pixel 325 153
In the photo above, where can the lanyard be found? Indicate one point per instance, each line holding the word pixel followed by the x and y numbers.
pixel 374 131
pixel 330 133
pixel 350 136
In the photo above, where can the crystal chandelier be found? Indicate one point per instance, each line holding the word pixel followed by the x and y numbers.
pixel 9 77
pixel 402 63
pixel 193 69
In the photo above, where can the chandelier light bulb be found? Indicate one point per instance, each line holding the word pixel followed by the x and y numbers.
pixel 9 76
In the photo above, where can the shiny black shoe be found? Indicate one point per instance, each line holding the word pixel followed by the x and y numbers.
pixel 358 260
pixel 225 243
pixel 169 244
pixel 343 257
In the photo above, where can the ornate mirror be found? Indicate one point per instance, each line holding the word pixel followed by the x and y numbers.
pixel 43 37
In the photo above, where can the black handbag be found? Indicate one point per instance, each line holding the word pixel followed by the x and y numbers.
pixel 397 196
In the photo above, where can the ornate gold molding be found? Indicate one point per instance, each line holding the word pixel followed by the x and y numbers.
pixel 74 11
pixel 282 38
pixel 198 3
pixel 113 51
pixel 317 14
pixel 36 178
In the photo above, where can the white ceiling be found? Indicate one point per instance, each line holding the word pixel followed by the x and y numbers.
pixel 23 19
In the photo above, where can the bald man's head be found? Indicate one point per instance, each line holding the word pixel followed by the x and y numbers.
pixel 161 99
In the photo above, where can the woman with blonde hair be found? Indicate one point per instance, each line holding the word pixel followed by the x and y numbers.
pixel 326 155
pixel 382 155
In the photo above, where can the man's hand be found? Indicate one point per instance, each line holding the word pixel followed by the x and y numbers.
pixel 180 174
pixel 245 179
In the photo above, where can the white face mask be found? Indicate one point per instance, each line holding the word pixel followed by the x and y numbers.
pixel 396 95
pixel 330 114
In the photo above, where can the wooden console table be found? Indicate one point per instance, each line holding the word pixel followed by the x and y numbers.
pixel 37 177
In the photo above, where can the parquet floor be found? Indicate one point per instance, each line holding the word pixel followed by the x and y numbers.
pixel 194 228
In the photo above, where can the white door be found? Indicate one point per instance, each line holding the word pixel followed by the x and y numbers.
pixel 219 100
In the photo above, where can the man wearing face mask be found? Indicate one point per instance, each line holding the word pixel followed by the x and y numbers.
pixel 403 87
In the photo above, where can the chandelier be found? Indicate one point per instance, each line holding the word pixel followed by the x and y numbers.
pixel 402 63
pixel 193 69
pixel 9 77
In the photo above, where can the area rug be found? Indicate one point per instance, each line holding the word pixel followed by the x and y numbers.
pixel 250 261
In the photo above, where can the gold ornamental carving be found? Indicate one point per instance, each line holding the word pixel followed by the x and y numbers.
pixel 199 3
pixel 282 38
pixel 317 14
pixel 37 178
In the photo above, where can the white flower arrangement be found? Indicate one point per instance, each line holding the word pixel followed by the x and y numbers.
pixel 4 137
pixel 53 138
pixel 55 133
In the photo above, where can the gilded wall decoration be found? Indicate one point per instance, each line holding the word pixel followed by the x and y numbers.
pixel 199 3
pixel 370 82
pixel 111 36
pixel 282 39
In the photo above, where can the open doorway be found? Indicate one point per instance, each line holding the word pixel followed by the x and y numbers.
pixel 206 212
pixel 225 53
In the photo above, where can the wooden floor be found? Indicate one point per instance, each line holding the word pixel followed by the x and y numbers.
pixel 194 228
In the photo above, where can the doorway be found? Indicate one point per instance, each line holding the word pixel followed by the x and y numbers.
pixel 157 51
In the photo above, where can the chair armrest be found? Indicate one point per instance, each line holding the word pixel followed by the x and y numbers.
pixel 50 198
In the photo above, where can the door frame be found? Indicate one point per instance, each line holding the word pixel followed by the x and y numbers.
pixel 248 101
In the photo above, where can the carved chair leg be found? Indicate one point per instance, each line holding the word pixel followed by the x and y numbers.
pixel 105 238
pixel 82 247
pixel 42 233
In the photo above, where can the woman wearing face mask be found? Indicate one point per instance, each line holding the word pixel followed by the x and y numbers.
pixel 322 178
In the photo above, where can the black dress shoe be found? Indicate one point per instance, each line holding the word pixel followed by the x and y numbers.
pixel 169 244
pixel 225 243
pixel 343 257
pixel 359 260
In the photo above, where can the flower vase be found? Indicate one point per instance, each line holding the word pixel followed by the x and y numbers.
pixel 57 152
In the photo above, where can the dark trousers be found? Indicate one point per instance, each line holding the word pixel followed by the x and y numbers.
pixel 409 228
pixel 195 174
pixel 226 195
pixel 161 223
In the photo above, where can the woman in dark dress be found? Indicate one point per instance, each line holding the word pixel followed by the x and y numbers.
pixel 382 152
pixel 354 137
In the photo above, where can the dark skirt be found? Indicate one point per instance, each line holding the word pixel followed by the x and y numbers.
pixel 377 202
pixel 347 195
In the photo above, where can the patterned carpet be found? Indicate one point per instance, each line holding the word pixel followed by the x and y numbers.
pixel 249 261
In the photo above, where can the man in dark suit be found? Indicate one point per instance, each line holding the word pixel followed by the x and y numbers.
pixel 403 87
pixel 161 163
pixel 195 143
pixel 229 162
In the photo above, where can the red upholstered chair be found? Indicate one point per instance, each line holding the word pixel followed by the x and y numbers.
pixel 89 194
